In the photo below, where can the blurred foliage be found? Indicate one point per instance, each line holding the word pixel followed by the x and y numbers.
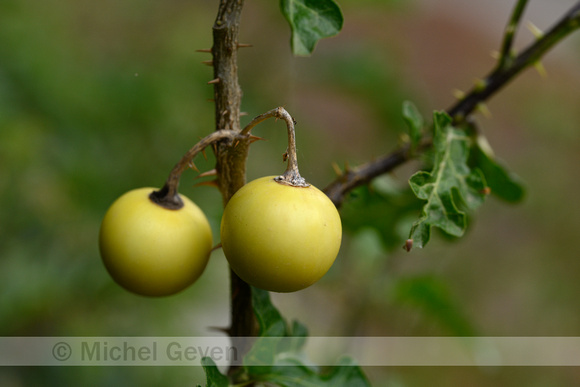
pixel 97 98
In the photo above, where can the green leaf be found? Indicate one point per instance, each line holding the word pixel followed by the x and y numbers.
pixel 276 338
pixel 504 184
pixel 276 356
pixel 449 186
pixel 295 374
pixel 214 378
pixel 414 122
pixel 310 21
pixel 271 322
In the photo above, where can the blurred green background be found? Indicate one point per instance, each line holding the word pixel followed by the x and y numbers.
pixel 97 98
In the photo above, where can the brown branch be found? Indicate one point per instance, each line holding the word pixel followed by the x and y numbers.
pixel 231 155
pixel 460 111
pixel 363 174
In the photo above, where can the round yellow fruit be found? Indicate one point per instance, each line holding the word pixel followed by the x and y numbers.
pixel 151 250
pixel 279 237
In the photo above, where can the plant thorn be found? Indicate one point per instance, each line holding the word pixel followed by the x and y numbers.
pixel 213 81
pixel 482 107
pixel 459 94
pixel 538 34
pixel 346 166
pixel 404 138
pixel 207 62
pixel 336 169
pixel 220 329
pixel 193 166
pixel 255 138
pixel 480 84
pixel 204 154
pixel 539 66
pixel 243 45
pixel 210 100
pixel 211 172
pixel 204 50
pixel 242 114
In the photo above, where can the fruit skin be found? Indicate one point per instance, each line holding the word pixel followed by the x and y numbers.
pixel 151 250
pixel 280 238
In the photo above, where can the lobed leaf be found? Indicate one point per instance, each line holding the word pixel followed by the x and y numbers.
pixel 310 21
pixel 276 356
pixel 296 374
pixel 504 184
pixel 214 378
pixel 451 185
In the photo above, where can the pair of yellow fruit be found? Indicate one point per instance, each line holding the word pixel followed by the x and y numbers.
pixel 275 237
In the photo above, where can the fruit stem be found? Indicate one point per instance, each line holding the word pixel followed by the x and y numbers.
pixel 167 196
pixel 292 175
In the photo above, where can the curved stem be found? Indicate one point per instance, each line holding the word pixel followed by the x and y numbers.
pixel 503 73
pixel 167 196
pixel 292 175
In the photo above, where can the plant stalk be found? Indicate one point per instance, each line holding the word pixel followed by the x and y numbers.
pixel 231 155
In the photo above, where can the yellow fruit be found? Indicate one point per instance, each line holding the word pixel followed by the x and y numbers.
pixel 278 237
pixel 151 250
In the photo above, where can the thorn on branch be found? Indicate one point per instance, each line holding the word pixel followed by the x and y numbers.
pixel 480 85
pixel 255 138
pixel 207 62
pixel 220 329
pixel 336 169
pixel 538 33
pixel 483 109
pixel 193 166
pixel 208 50
pixel 211 172
pixel 458 94
pixel 346 167
pixel 243 45
pixel 213 81
pixel 539 66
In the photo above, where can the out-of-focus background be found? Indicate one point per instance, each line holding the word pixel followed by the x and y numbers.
pixel 97 98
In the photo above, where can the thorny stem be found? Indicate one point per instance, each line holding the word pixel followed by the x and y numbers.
pixel 231 155
pixel 506 55
pixel 292 175
pixel 499 77
pixel 167 196
pixel 502 75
